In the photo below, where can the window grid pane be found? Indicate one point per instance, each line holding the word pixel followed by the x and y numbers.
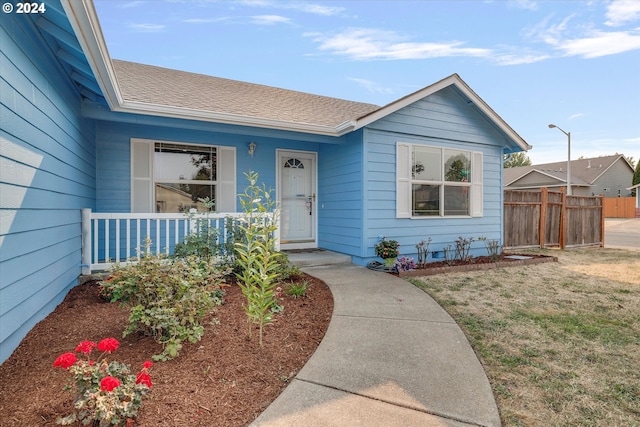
pixel 426 200
pixel 440 182
pixel 183 174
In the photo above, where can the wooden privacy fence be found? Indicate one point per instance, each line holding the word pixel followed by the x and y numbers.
pixel 620 207
pixel 540 218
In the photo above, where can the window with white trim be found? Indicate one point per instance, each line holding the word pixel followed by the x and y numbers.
pixel 170 177
pixel 437 182
pixel 182 175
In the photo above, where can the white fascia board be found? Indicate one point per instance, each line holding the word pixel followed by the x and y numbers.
pixel 454 79
pixel 84 21
pixel 226 118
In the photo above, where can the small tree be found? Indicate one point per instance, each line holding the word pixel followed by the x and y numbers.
pixel 517 159
pixel 256 255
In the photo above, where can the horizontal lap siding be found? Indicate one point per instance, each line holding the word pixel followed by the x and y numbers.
pixel 340 196
pixel 47 174
pixel 114 158
pixel 445 120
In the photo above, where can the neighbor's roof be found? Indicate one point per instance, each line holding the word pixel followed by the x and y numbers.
pixel 153 85
pixel 585 171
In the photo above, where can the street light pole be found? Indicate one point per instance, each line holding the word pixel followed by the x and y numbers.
pixel 551 126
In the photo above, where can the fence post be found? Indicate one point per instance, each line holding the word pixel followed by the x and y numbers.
pixel 602 220
pixel 544 199
pixel 563 218
pixel 86 241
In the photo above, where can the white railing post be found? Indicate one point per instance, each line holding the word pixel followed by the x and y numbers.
pixel 86 241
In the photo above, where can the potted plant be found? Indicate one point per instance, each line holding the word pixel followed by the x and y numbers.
pixel 387 250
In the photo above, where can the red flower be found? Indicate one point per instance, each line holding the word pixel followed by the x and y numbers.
pixel 144 378
pixel 108 345
pixel 147 364
pixel 65 360
pixel 109 383
pixel 85 347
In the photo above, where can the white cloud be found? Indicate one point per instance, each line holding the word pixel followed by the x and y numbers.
pixel 269 20
pixel 600 43
pixel 575 116
pixel 303 6
pixel 620 12
pixel 147 28
pixel 371 86
pixel 371 44
pixel 519 59
pixel 525 4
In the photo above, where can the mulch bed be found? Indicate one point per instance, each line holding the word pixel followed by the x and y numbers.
pixel 226 379
pixel 478 263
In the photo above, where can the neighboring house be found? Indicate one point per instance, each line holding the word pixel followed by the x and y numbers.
pixel 607 175
pixel 82 131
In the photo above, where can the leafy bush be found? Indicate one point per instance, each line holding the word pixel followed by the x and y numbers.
pixel 386 248
pixel 168 298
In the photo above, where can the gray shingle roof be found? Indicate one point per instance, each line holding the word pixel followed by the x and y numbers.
pixel 582 170
pixel 171 88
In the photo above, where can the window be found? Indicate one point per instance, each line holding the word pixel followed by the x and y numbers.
pixel 169 177
pixel 182 175
pixel 437 182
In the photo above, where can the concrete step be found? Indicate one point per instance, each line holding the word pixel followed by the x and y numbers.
pixel 316 257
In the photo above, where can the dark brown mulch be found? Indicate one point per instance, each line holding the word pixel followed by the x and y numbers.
pixel 226 379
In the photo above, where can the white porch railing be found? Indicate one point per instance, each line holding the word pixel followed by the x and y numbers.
pixel 109 238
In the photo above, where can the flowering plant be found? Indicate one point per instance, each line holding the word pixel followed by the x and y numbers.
pixel 106 391
pixel 387 248
pixel 404 264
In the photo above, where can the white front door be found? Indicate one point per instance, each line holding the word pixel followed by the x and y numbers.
pixel 297 197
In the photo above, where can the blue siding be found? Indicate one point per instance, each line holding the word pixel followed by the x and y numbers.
pixel 340 196
pixel 47 174
pixel 114 159
pixel 443 119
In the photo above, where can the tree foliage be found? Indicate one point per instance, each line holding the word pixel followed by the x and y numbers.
pixel 517 159
pixel 636 177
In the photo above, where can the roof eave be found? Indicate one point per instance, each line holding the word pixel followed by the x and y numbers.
pixel 84 21
pixel 231 119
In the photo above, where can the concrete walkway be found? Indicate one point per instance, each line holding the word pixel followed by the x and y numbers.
pixel 391 357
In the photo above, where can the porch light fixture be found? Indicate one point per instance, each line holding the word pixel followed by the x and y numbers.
pixel 551 126
pixel 252 148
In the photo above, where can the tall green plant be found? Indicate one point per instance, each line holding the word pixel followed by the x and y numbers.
pixel 256 255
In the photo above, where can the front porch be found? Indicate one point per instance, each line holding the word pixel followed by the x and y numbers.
pixel 109 238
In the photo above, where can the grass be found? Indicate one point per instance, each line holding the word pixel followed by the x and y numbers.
pixel 560 342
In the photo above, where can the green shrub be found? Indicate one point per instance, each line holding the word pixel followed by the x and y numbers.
pixel 297 289
pixel 168 298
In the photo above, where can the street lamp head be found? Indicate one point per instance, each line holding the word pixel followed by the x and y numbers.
pixel 552 126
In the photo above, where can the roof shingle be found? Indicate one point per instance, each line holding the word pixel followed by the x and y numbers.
pixel 179 89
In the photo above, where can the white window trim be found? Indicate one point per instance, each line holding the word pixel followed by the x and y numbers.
pixel 404 182
pixel 143 185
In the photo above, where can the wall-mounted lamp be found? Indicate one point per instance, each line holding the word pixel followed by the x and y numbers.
pixel 252 148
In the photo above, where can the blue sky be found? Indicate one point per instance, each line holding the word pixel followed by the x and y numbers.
pixel 572 63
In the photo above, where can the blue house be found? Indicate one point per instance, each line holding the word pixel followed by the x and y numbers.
pixel 79 130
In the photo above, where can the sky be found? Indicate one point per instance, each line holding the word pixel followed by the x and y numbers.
pixel 575 64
